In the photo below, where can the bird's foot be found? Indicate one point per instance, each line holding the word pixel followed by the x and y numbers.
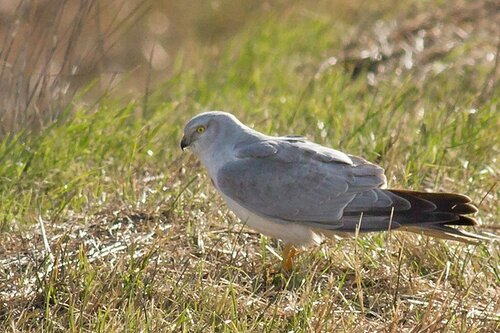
pixel 289 252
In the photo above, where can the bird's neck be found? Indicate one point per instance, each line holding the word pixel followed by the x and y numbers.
pixel 222 151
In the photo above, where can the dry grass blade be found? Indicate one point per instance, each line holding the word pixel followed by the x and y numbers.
pixel 140 239
pixel 50 54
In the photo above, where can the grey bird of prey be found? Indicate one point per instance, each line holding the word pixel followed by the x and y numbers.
pixel 301 192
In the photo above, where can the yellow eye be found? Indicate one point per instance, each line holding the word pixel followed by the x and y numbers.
pixel 200 129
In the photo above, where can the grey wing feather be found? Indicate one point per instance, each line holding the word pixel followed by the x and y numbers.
pixel 256 149
pixel 293 184
pixel 376 200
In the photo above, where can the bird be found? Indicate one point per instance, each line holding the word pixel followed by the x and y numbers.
pixel 301 192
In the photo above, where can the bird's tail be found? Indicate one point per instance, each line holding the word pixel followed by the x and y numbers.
pixel 433 214
pixel 436 214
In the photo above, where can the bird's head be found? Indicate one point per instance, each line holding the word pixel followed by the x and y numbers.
pixel 208 128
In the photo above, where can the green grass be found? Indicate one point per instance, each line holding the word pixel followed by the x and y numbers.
pixel 142 242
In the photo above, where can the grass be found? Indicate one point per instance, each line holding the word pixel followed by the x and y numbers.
pixel 49 50
pixel 140 240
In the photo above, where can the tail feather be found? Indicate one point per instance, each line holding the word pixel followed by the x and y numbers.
pixel 444 232
pixel 444 202
pixel 450 210
pixel 432 214
pixel 463 221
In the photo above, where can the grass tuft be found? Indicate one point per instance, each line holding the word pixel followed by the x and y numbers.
pixel 142 242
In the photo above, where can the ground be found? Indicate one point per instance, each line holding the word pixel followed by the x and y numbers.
pixel 138 240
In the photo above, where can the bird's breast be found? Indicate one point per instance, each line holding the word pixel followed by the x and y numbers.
pixel 294 233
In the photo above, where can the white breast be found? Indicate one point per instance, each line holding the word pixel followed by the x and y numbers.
pixel 293 233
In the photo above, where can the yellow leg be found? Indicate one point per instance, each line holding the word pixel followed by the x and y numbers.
pixel 289 251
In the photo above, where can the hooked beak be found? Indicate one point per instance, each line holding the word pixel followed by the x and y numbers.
pixel 184 143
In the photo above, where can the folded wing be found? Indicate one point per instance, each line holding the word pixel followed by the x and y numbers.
pixel 298 182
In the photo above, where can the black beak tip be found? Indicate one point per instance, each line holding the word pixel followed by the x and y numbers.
pixel 184 144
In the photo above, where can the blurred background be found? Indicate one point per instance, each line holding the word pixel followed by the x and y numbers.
pixel 55 54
